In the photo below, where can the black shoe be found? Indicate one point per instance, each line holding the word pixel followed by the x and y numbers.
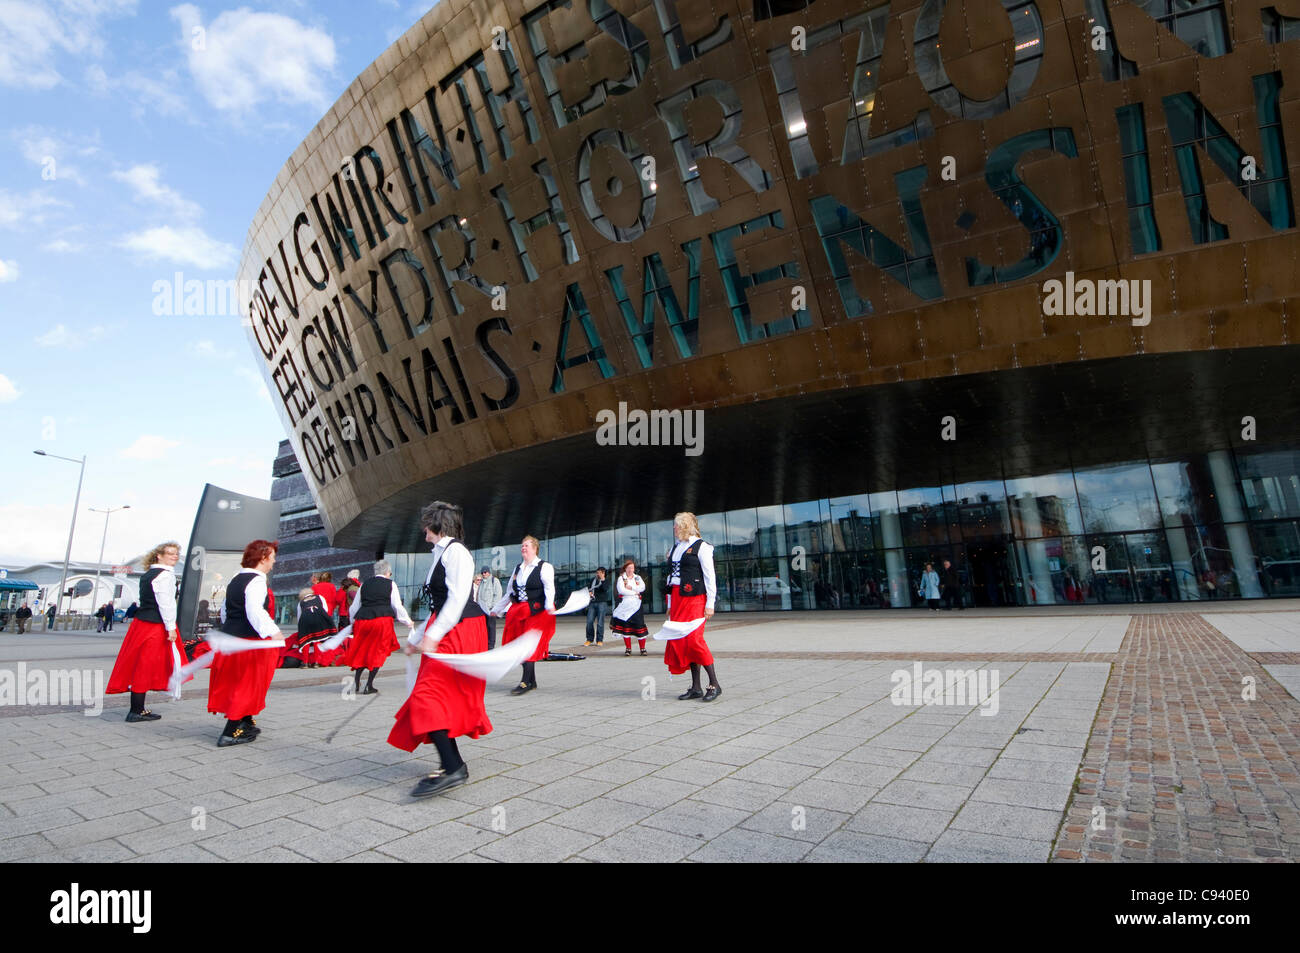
pixel 437 783
pixel 242 736
pixel 628 653
pixel 133 716
pixel 690 693
pixel 370 690
pixel 522 688
pixel 643 652
pixel 713 692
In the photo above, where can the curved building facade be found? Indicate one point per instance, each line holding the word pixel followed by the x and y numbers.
pixel 1012 283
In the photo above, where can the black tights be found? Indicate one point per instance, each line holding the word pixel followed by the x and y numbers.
pixel 530 674
pixel 695 676
pixel 448 753
pixel 137 702
pixel 356 679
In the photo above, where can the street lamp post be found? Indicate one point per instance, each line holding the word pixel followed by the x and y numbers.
pixel 108 511
pixel 67 556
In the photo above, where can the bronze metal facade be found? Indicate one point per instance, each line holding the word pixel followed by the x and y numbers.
pixel 806 220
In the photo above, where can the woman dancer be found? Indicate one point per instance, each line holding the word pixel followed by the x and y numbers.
pixel 238 684
pixel 314 627
pixel 693 590
pixel 445 703
pixel 628 620
pixel 529 603
pixel 374 607
pixel 347 589
pixel 144 662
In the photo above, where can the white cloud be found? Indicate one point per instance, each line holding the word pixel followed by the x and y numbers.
pixel 61 246
pixel 243 58
pixel 8 271
pixel 25 208
pixel 187 246
pixel 60 336
pixel 34 35
pixel 159 93
pixel 144 181
pixel 253 377
pixel 148 447
pixel 51 152
pixel 208 349
pixel 8 390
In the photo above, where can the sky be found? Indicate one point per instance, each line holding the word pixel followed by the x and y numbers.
pixel 137 140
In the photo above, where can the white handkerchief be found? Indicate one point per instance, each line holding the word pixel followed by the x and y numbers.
pixel 678 630
pixel 578 601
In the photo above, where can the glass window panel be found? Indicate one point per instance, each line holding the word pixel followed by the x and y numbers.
pixel 1117 498
pixel 1149 563
pixel 585 554
pixel 661 540
pixel 713 528
pixel 605 548
pixel 850 523
pixel 1185 490
pixel 771 531
pixel 1044 505
pixel 742 534
pixel 803 526
pixel 1277 546
pixel 631 542
pixel 1114 583
pixel 923 516
pixel 982 508
pixel 1270 483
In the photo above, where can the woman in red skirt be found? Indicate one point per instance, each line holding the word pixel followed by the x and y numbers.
pixel 529 603
pixel 144 662
pixel 238 683
pixel 692 593
pixel 445 703
pixel 374 607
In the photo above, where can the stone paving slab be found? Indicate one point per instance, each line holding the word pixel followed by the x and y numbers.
pixel 803 759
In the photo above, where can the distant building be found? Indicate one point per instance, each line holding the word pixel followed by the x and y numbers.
pixel 304 547
pixel 118 582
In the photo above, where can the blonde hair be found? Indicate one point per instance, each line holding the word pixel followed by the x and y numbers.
pixel 687 522
pixel 156 553
pixel 532 539
pixel 305 593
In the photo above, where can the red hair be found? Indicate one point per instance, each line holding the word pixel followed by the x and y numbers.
pixel 256 551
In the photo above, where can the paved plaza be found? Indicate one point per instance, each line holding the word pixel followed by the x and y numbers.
pixel 1114 733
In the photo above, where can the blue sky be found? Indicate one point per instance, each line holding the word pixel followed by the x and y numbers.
pixel 137 140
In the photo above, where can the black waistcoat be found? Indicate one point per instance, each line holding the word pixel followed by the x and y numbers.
pixel 236 616
pixel 436 590
pixel 533 591
pixel 376 599
pixel 148 610
pixel 688 570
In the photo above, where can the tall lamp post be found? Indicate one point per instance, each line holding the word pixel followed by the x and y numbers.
pixel 67 556
pixel 108 511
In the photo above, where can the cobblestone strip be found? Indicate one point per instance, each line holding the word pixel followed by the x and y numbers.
pixel 1185 768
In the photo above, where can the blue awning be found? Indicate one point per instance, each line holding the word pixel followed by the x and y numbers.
pixel 19 584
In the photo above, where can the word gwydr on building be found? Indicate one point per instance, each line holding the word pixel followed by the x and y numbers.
pixel 830 227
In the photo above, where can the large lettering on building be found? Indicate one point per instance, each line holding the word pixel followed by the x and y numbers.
pixel 507 224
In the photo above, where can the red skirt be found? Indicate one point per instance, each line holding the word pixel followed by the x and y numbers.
pixel 518 621
pixel 373 640
pixel 681 654
pixel 444 698
pixel 313 654
pixel 144 662
pixel 238 683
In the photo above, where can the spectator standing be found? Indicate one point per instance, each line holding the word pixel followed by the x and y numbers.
pixel 950 582
pixel 132 609
pixel 488 595
pixel 929 590
pixel 597 608
pixel 50 613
